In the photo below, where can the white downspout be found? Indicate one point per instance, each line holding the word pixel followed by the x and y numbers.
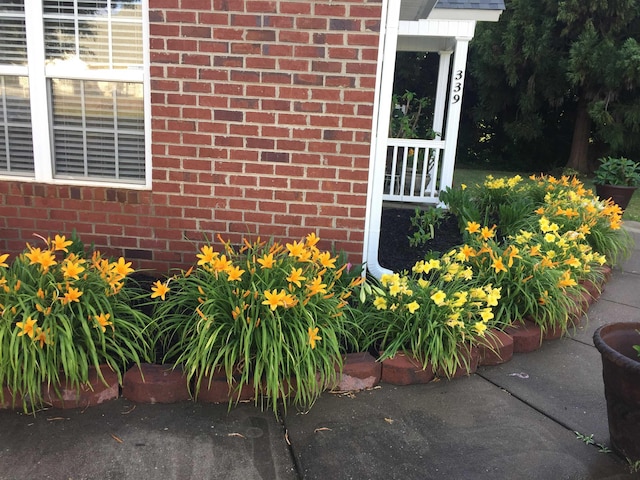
pixel 379 133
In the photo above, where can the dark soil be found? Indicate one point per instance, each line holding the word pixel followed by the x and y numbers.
pixel 396 254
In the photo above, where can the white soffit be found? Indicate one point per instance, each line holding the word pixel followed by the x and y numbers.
pixel 433 35
pixel 465 14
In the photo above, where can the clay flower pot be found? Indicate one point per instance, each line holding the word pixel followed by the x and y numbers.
pixel 620 194
pixel 621 375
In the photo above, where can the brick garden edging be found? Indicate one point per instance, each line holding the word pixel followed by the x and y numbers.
pixel 152 383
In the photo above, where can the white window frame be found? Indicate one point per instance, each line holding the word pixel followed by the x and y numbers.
pixel 41 123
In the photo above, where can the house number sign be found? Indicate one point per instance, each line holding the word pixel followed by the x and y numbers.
pixel 457 86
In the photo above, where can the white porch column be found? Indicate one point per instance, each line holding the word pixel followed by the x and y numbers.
pixel 441 95
pixel 453 114
pixel 380 132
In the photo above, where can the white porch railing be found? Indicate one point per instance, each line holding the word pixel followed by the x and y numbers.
pixel 412 170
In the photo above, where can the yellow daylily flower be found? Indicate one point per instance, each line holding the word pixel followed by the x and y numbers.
pixel 468 252
pixel 326 261
pixel 439 297
pixel 316 286
pixel 312 239
pixel 3 259
pixel 566 280
pixel 487 233
pixel 122 267
pixel 61 243
pixel 480 328
pixel 313 337
pixel 486 314
pixel 380 303
pixel 266 261
pixel 296 277
pixel 42 337
pixel 103 321
pixel 273 298
pixel 159 289
pixel 235 274
pixel 71 295
pixel 207 255
pixel 221 264
pixel 72 270
pixel 413 306
pixel 27 327
pixel 295 249
pixel 472 227
pixel 498 265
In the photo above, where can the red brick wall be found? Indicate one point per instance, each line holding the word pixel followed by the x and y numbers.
pixel 261 119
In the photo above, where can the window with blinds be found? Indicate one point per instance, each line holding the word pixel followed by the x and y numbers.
pixel 76 69
pixel 16 140
pixel 98 129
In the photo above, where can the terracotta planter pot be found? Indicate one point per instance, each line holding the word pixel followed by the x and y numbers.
pixel 621 375
pixel 618 193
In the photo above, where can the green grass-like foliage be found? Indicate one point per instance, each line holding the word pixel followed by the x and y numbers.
pixel 424 223
pixel 434 313
pixel 63 313
pixel 272 316
pixel 515 203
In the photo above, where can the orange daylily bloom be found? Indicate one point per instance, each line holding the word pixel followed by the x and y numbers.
pixel 159 289
pixel 313 336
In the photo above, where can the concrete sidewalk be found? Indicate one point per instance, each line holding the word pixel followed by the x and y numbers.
pixel 513 421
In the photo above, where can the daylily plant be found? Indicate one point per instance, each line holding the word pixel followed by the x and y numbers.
pixel 275 316
pixel 62 312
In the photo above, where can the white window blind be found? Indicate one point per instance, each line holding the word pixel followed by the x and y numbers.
pixel 16 140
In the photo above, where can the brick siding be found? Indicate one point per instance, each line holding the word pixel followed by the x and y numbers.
pixel 261 119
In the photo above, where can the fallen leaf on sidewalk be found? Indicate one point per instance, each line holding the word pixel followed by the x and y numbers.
pixel 388 420
pixel 235 434
pixel 117 439
pixel 286 437
pixel 322 429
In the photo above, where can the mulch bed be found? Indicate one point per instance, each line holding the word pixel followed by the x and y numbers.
pixel 396 254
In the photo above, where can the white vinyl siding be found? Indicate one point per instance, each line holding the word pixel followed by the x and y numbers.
pixel 89 93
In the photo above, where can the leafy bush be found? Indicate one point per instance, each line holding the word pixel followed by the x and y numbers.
pixel 63 312
pixel 433 314
pixel 425 222
pixel 617 171
pixel 515 204
pixel 272 316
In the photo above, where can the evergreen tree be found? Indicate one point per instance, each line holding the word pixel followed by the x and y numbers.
pixel 550 65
